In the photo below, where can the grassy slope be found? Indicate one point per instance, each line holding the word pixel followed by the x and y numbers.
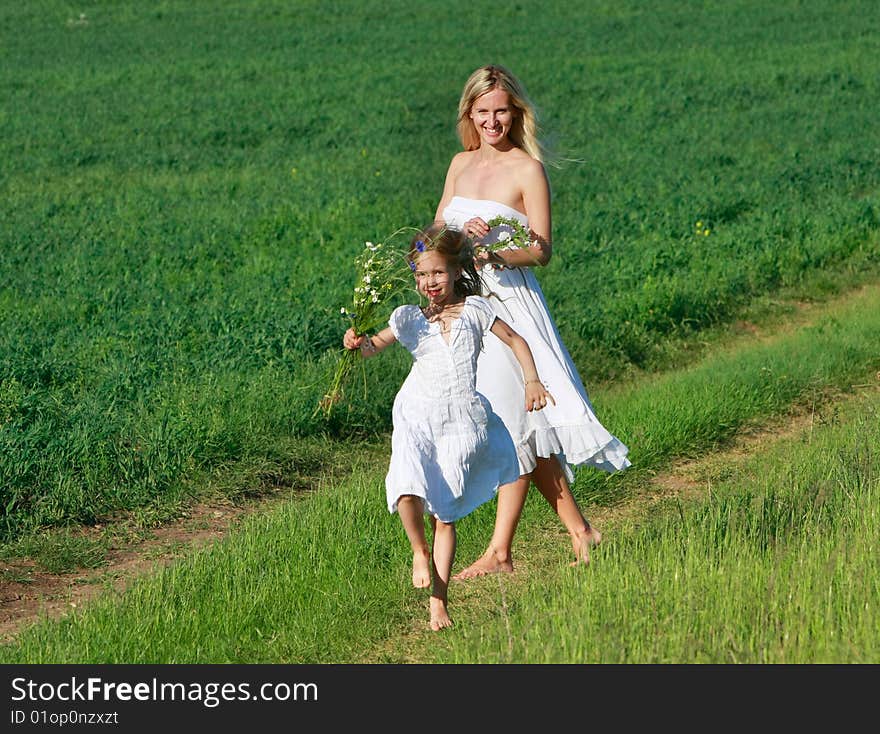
pixel 325 579
pixel 178 179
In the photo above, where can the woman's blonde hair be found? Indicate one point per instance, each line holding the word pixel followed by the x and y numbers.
pixel 524 129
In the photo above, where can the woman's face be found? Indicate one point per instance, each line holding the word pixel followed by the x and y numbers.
pixel 492 116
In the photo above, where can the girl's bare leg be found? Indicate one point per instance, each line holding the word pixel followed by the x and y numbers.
pixel 496 558
pixel 443 555
pixel 411 511
pixel 552 483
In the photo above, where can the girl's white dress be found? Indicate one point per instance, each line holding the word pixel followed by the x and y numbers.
pixel 447 446
pixel 569 430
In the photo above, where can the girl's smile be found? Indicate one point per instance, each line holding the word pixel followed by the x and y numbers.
pixel 435 279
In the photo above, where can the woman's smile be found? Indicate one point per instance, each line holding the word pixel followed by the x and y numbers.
pixel 492 115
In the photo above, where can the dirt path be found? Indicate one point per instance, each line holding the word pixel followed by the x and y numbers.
pixel 28 594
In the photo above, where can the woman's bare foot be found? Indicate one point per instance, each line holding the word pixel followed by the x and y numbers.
pixel 488 563
pixel 588 537
pixel 439 614
pixel 421 572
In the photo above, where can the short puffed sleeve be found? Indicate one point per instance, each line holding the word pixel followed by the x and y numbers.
pixel 401 324
pixel 483 312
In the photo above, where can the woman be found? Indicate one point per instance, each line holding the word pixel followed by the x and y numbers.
pixel 501 172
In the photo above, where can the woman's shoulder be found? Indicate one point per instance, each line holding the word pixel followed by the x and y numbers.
pixel 531 178
pixel 525 164
pixel 461 160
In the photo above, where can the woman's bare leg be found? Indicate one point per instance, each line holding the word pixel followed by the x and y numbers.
pixel 551 482
pixel 497 557
pixel 442 557
pixel 411 511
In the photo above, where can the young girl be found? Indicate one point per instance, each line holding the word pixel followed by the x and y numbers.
pixel 449 451
pixel 500 172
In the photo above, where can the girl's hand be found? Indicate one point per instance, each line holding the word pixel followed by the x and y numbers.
pixel 537 396
pixel 351 340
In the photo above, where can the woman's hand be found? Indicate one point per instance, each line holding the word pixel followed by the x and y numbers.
pixel 537 396
pixel 475 228
pixel 485 256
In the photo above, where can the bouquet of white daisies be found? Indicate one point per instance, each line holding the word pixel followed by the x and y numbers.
pixel 384 274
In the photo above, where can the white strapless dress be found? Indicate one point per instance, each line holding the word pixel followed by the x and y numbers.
pixel 568 430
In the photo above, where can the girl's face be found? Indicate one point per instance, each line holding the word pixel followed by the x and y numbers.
pixel 492 115
pixel 435 278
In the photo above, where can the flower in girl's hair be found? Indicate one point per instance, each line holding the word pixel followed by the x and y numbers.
pixel 420 246
pixel 383 275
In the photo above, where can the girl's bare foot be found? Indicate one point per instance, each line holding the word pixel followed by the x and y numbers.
pixel 488 563
pixel 421 572
pixel 439 614
pixel 586 538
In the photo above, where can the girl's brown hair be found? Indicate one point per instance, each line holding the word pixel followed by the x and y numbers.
pixel 455 248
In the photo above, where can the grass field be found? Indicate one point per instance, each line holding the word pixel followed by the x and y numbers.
pixel 186 184
pixel 787 538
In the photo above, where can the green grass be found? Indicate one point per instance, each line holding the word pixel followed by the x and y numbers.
pixel 777 564
pixel 690 411
pixel 294 586
pixel 186 185
pixel 326 578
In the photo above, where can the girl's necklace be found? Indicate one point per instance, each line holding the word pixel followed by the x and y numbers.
pixel 442 317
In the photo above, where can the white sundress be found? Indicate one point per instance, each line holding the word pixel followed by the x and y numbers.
pixel 568 430
pixel 447 445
